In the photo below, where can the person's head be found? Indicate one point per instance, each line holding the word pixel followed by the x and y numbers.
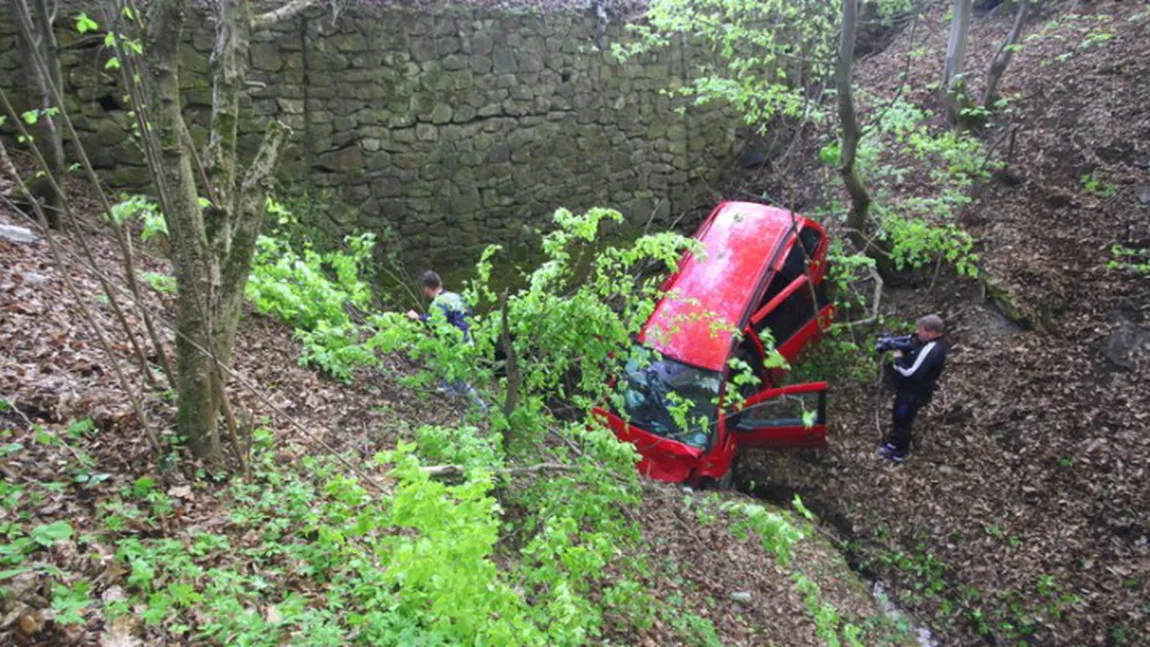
pixel 431 283
pixel 929 327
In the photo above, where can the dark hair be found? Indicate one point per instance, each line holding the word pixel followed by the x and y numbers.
pixel 430 280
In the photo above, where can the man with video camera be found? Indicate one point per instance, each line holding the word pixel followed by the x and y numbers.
pixel 917 365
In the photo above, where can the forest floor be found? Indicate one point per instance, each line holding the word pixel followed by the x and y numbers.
pixel 1021 514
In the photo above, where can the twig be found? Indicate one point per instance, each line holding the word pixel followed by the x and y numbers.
pixel 876 299
pixel 113 302
pixel 58 99
pixel 42 223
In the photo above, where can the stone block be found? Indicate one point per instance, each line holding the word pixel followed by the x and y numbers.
pixel 441 114
pixel 481 44
pixel 130 177
pixel 341 161
pixel 266 57
pixel 505 61
pixel 481 64
pixel 426 132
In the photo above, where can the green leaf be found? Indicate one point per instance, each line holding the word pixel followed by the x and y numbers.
pixel 809 418
pixel 30 117
pixel 84 24
pixel 13 572
pixel 109 40
pixel 112 64
pixel 48 534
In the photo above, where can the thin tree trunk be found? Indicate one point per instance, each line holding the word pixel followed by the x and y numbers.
pixel 1004 54
pixel 40 38
pixel 857 219
pixel 951 87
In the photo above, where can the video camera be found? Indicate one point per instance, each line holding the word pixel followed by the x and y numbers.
pixel 895 342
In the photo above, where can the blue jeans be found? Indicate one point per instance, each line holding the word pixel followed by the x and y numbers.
pixel 460 388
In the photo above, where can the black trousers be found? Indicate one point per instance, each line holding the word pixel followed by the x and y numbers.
pixel 906 406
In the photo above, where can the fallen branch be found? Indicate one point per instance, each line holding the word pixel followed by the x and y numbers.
pixel 876 300
pixel 440 471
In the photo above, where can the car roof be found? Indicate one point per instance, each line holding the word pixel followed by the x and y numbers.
pixel 739 242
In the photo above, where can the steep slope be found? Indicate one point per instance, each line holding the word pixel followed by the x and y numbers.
pixel 1022 513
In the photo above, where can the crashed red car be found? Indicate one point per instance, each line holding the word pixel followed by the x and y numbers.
pixel 751 276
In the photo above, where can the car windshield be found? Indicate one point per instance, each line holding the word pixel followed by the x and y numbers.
pixel 671 399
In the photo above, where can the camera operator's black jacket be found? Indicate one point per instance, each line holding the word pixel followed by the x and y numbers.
pixel 913 375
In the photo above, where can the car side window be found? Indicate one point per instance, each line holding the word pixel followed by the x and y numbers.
pixel 792 410
pixel 790 315
pixel 795 265
pixel 810 239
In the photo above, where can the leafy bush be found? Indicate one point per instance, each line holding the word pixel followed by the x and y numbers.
pixel 311 292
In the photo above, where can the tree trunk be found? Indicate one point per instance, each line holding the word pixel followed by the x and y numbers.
pixel 1005 53
pixel 857 218
pixel 212 246
pixel 951 87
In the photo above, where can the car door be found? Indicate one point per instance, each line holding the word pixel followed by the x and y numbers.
pixel 787 417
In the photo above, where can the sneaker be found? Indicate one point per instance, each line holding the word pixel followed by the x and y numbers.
pixel 886 449
pixel 897 459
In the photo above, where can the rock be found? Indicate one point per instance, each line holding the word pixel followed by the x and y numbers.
pixel 741 596
pixel 1142 191
pixel 343 161
pixel 19 235
pixel 505 61
pixel 441 114
pixel 266 57
pixel 426 133
pixel 1126 341
pixel 34 279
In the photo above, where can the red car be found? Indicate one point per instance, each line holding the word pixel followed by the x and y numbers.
pixel 752 277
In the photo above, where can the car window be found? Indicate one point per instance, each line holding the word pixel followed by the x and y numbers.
pixel 792 410
pixel 810 239
pixel 790 315
pixel 671 399
pixel 795 265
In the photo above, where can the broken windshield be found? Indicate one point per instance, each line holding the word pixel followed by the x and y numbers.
pixel 671 399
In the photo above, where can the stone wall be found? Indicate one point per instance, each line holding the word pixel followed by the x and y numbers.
pixel 455 128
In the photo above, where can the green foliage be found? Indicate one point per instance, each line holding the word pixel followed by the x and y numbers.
pixel 84 24
pixel 161 283
pixel 1092 183
pixel 1135 261
pixel 776 531
pixel 311 292
pixel 756 57
pixel 140 207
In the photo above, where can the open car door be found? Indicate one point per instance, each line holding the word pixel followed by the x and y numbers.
pixel 786 417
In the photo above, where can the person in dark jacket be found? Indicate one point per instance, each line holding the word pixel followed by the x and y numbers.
pixel 454 310
pixel 456 313
pixel 913 374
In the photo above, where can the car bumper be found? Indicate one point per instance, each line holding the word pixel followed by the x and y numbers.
pixel 662 459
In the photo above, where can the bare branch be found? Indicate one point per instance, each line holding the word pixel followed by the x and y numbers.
pixel 289 10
